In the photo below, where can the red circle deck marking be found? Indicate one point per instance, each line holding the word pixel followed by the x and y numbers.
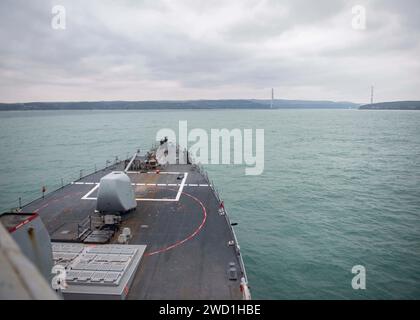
pixel 32 217
pixel 192 235
pixel 176 244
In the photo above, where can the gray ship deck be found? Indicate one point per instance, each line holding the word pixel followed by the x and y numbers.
pixel 177 217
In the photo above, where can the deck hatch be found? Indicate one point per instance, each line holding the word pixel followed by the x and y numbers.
pixel 98 272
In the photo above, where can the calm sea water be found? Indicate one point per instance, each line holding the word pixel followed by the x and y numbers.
pixel 340 188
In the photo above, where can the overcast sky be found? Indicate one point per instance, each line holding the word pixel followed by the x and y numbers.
pixel 209 49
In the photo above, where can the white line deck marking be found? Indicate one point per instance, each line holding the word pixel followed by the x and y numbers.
pixel 129 164
pixel 86 196
pixel 84 183
pixel 164 172
pixel 178 195
pixel 182 186
pixel 153 172
pixel 152 184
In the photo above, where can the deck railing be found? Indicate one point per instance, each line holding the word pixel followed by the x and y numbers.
pixel 244 280
pixel 31 196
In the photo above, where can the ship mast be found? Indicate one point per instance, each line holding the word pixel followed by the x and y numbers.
pixel 371 94
pixel 272 98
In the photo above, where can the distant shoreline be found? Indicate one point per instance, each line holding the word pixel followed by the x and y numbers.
pixel 252 104
pixel 239 104
pixel 394 105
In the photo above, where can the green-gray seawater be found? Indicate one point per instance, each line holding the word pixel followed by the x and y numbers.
pixel 340 188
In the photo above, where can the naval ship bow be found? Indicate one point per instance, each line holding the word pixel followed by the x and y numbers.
pixel 141 228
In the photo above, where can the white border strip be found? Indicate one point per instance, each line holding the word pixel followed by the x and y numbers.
pixel 154 172
pixel 178 195
pixel 129 164
pixel 182 186
pixel 86 196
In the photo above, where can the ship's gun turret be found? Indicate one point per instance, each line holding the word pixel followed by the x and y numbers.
pixel 115 194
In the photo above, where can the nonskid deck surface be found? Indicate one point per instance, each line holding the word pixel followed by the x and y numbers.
pixel 188 253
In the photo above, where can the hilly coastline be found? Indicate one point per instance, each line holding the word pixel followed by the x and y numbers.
pixel 395 105
pixel 188 104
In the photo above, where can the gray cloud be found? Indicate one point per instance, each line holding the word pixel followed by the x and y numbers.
pixel 189 49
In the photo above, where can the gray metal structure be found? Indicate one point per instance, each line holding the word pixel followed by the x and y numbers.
pixel 34 241
pixel 20 279
pixel 97 272
pixel 115 194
